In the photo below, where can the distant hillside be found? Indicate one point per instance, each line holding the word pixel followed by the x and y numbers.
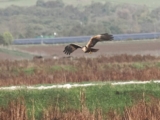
pixel 80 3
pixel 46 18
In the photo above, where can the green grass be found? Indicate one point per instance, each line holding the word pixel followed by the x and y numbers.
pixel 135 65
pixel 105 97
pixel 16 53
pixel 149 3
pixel 29 71
pixel 139 65
pixel 158 64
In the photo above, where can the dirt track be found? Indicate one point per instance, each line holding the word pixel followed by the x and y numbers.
pixel 142 47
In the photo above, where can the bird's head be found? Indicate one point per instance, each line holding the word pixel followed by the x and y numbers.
pixel 84 48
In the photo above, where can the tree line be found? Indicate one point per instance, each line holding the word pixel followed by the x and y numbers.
pixel 47 18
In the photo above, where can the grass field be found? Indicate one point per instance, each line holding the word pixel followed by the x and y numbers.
pixel 105 98
pixel 13 53
pixel 65 70
pixel 87 103
pixel 93 102
pixel 151 4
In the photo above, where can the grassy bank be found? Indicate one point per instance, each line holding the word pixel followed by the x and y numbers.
pixel 104 98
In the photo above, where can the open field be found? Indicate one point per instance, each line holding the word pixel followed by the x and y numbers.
pixel 149 3
pixel 141 47
pixel 117 61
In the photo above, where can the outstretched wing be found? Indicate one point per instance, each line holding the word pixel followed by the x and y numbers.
pixel 70 48
pixel 97 38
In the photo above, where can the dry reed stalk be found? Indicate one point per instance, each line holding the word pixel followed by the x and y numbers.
pixel 82 99
pixel 33 110
pixel 55 114
pixel 143 111
pixel 139 111
pixel 15 111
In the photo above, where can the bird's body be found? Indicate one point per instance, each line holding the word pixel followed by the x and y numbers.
pixel 88 48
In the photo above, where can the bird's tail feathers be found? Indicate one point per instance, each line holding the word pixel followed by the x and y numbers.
pixel 94 50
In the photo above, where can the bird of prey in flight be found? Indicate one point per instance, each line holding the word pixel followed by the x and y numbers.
pixel 88 48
